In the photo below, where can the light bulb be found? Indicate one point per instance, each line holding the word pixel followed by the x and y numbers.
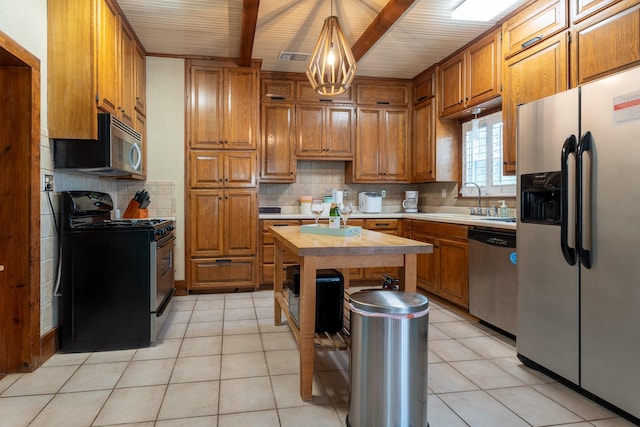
pixel 330 57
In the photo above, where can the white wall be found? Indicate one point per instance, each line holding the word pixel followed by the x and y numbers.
pixel 165 136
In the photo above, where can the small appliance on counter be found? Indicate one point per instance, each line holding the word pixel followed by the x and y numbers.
pixel 369 202
pixel 410 202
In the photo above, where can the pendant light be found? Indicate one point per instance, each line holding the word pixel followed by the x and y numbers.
pixel 332 67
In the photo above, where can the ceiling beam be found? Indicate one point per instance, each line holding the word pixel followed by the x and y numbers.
pixel 380 25
pixel 248 30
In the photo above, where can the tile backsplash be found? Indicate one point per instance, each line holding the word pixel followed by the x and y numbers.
pixel 162 194
pixel 315 178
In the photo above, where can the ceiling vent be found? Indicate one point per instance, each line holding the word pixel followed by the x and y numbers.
pixel 294 56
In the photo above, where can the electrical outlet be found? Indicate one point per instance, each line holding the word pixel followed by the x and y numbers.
pixel 47 183
pixel 444 193
pixel 383 193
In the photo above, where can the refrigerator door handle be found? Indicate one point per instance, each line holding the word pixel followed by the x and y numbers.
pixel 585 144
pixel 569 147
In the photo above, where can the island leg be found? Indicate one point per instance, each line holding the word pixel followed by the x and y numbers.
pixel 409 273
pixel 307 325
pixel 278 280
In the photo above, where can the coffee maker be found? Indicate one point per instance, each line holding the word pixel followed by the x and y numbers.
pixel 410 202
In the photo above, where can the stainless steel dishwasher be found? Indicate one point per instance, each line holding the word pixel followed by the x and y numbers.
pixel 492 277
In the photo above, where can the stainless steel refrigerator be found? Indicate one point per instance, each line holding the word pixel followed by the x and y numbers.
pixel 578 233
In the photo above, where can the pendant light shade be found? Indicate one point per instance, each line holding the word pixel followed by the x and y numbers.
pixel 332 67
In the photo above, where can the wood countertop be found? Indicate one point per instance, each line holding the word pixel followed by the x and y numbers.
pixel 367 243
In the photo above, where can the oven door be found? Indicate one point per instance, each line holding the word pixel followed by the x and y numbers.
pixel 162 282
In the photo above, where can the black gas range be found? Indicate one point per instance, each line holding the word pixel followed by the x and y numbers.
pixel 117 275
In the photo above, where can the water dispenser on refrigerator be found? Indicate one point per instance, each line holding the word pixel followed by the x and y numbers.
pixel 540 198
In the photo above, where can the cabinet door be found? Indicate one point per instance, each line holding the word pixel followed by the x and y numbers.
pixel 206 223
pixel 225 274
pixel 453 271
pixel 205 130
pixel 368 144
pixel 278 160
pixel 395 156
pixel 426 271
pixel 601 46
pixel 108 57
pixel 533 74
pixel 452 91
pixel 340 132
pixel 140 87
pixel 423 155
pixel 240 222
pixel 483 62
pixel 310 127
pixel 206 169
pixel 240 169
pixel 241 104
pixel 382 94
pixel 127 82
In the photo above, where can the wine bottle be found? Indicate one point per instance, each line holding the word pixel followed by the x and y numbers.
pixel 334 216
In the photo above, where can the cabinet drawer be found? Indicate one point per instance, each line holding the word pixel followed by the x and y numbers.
pixel 266 223
pixel 452 231
pixel 381 224
pixel 382 95
pixel 211 273
pixel 535 23
pixel 277 90
pixel 268 256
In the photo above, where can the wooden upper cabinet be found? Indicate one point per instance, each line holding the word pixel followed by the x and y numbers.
pixel 382 150
pixel 107 57
pixel 277 90
pixel 424 87
pixel 382 94
pixel 140 87
pixel 423 155
pixel 241 108
pixel 91 67
pixel 581 9
pixel 535 23
pixel 126 106
pixel 605 43
pixel 222 169
pixel 452 90
pixel 536 73
pixel 472 77
pixel 278 143
pixel 324 131
pixel 305 93
pixel 223 108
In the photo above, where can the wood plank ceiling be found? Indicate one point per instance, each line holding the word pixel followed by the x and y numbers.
pixel 390 38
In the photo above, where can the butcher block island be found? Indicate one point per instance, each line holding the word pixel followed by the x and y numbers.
pixel 317 251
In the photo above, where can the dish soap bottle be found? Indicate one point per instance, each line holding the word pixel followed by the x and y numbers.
pixel 334 216
pixel 503 209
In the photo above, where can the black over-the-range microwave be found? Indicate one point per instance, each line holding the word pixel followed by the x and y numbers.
pixel 116 152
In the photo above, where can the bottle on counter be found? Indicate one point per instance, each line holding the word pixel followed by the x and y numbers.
pixel 503 209
pixel 334 216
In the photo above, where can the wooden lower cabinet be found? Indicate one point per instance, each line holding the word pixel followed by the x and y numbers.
pixel 223 239
pixel 444 272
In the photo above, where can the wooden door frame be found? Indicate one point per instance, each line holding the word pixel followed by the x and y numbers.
pixel 19 208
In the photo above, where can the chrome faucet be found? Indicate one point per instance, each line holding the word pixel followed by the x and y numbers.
pixel 473 212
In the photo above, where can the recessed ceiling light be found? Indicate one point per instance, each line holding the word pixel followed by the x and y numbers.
pixel 480 10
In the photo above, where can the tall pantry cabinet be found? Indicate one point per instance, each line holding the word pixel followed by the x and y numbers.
pixel 221 156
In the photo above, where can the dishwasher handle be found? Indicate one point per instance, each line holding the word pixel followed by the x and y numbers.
pixel 500 239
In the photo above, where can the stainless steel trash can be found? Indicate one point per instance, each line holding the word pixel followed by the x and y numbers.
pixel 388 359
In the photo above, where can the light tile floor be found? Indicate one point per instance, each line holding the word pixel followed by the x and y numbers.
pixel 220 361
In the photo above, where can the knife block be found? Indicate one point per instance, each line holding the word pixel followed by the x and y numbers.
pixel 134 211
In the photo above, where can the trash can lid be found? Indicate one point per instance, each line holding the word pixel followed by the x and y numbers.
pixel 389 302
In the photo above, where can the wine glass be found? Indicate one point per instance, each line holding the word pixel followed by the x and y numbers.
pixel 345 210
pixel 317 207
